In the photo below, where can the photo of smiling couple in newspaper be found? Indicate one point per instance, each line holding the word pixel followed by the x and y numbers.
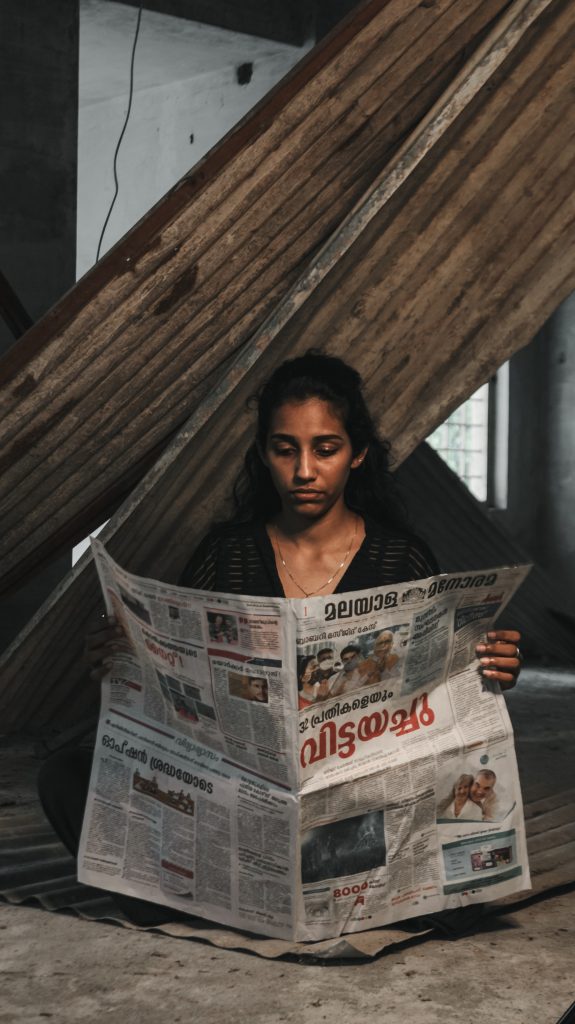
pixel 305 768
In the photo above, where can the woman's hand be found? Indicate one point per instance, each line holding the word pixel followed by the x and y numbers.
pixel 101 644
pixel 500 658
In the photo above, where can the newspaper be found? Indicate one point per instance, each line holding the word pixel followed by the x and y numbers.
pixel 305 768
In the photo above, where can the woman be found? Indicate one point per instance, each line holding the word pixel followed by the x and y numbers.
pixel 316 513
pixel 316 508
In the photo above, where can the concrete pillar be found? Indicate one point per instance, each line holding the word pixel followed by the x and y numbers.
pixel 558 440
pixel 38 158
pixel 522 514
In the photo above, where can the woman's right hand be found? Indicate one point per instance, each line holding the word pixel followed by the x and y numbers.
pixel 101 644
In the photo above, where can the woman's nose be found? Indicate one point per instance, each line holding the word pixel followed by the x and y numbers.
pixel 305 466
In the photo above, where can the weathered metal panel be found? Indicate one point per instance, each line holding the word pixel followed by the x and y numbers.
pixel 463 247
pixel 91 394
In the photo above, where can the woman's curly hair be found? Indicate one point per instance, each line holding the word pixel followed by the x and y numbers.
pixel 371 488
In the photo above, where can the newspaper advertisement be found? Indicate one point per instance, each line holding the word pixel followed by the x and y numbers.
pixel 304 768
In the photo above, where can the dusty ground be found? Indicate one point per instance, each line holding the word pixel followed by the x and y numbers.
pixel 518 969
pixel 57 967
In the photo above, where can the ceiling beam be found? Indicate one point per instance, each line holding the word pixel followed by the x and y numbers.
pixel 284 21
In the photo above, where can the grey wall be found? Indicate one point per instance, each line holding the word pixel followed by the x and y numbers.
pixel 527 389
pixel 557 471
pixel 39 117
pixel 541 509
pixel 186 97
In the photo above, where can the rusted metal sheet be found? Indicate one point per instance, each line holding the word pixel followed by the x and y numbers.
pixel 92 393
pixel 448 273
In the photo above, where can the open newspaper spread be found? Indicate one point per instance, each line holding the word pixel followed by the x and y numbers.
pixel 305 768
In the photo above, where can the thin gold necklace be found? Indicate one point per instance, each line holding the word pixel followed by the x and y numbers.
pixel 310 593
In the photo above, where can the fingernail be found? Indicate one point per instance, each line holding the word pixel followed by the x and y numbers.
pixel 491 636
pixel 481 647
pixel 485 661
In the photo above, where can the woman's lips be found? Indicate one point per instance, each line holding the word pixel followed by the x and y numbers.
pixel 306 495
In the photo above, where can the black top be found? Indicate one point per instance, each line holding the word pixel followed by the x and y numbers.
pixel 239 559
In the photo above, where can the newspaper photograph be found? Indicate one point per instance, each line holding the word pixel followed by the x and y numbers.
pixel 305 768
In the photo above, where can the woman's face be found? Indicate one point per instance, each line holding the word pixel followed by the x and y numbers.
pixel 462 789
pixel 309 455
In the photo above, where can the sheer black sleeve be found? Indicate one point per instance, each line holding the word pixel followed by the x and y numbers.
pixel 421 561
pixel 201 570
pixel 239 559
pixel 234 559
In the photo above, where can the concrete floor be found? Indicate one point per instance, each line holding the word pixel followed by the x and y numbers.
pixel 517 969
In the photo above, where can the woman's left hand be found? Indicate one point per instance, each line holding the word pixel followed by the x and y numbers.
pixel 500 658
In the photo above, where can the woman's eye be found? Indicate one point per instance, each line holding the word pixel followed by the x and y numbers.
pixel 283 451
pixel 326 451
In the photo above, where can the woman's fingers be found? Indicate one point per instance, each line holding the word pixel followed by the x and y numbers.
pixel 500 657
pixel 502 650
pixel 511 635
pixel 100 645
pixel 99 641
pixel 101 631
pixel 503 670
pixel 97 647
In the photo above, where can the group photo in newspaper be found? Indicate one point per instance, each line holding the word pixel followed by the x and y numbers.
pixel 303 768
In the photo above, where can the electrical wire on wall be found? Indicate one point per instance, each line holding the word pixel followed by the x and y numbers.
pixel 123 132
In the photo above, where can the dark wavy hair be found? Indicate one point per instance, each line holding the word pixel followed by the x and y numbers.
pixel 371 488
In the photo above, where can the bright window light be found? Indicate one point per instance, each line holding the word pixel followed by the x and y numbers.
pixel 463 442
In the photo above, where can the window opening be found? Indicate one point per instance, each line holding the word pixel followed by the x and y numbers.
pixel 473 440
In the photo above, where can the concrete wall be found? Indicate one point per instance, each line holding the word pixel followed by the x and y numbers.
pixel 540 514
pixel 174 121
pixel 39 112
pixel 527 376
pixel 557 475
